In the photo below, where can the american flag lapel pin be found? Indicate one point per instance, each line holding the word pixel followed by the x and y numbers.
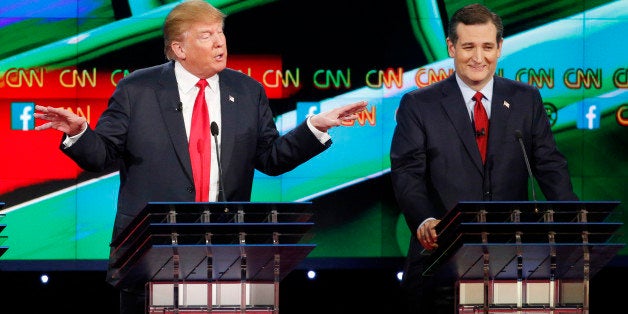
pixel 506 104
pixel 231 99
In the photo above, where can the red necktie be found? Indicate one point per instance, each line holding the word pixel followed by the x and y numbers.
pixel 480 120
pixel 200 144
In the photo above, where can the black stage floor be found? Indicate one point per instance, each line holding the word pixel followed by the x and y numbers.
pixel 333 291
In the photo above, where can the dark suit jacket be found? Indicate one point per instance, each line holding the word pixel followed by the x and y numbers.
pixel 435 161
pixel 143 131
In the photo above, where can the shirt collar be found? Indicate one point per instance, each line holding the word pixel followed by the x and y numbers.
pixel 187 81
pixel 468 92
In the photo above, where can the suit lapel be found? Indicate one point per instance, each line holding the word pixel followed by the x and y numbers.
pixel 168 97
pixel 454 106
pixel 500 113
pixel 229 118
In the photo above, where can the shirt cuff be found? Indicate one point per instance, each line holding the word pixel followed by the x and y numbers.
pixel 323 137
pixel 70 140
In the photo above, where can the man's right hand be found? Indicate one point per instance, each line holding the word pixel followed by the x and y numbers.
pixel 427 234
pixel 60 119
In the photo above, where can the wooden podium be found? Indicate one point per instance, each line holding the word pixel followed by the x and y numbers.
pixel 524 257
pixel 222 257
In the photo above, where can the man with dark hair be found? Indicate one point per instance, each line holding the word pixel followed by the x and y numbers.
pixel 458 140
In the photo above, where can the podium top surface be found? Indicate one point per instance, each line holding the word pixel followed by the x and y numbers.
pixel 227 207
pixel 528 211
pixel 215 212
pixel 538 206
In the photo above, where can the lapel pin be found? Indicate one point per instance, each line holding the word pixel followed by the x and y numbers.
pixel 506 104
pixel 231 99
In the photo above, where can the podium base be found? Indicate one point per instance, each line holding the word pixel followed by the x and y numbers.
pixel 479 310
pixel 528 296
pixel 213 297
pixel 206 311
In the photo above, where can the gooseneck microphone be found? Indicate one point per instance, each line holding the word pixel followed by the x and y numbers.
pixel 215 131
pixel 519 137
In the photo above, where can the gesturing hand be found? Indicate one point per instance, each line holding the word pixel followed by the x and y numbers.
pixel 60 119
pixel 335 117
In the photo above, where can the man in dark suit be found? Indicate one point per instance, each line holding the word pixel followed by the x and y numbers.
pixel 147 124
pixel 436 162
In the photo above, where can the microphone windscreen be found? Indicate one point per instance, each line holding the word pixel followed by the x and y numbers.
pixel 214 128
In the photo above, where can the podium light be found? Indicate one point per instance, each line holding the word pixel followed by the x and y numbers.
pixel 399 275
pixel 44 279
pixel 311 274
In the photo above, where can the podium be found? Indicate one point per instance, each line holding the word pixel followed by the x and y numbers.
pixel 524 257
pixel 219 257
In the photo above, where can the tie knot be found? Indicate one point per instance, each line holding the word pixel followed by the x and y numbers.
pixel 478 96
pixel 202 84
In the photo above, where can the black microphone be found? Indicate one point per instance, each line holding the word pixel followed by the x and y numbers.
pixel 479 133
pixel 179 107
pixel 519 137
pixel 215 131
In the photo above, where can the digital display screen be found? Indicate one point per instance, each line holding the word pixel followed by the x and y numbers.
pixel 310 56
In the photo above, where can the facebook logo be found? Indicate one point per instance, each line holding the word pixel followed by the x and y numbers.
pixel 22 116
pixel 588 116
pixel 306 109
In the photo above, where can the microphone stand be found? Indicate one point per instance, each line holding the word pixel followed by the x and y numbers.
pixel 519 137
pixel 221 193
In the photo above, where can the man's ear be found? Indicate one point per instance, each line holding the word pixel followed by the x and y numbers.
pixel 178 50
pixel 499 48
pixel 450 48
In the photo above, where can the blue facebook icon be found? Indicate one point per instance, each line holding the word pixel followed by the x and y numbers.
pixel 22 116
pixel 588 116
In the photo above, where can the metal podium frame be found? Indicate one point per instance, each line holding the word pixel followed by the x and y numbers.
pixel 217 257
pixel 524 257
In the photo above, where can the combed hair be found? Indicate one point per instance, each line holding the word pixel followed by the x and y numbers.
pixel 474 14
pixel 181 18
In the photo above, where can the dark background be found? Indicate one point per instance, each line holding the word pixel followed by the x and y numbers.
pixel 343 290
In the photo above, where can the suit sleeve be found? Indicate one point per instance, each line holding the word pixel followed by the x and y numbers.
pixel 549 164
pixel 279 154
pixel 408 158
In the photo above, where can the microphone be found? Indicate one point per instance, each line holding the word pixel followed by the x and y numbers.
pixel 179 107
pixel 479 133
pixel 215 131
pixel 519 137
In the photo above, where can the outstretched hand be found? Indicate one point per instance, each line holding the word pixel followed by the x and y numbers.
pixel 60 119
pixel 335 117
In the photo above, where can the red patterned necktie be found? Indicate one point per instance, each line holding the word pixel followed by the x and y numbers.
pixel 200 144
pixel 480 120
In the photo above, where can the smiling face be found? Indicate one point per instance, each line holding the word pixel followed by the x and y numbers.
pixel 203 49
pixel 475 53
